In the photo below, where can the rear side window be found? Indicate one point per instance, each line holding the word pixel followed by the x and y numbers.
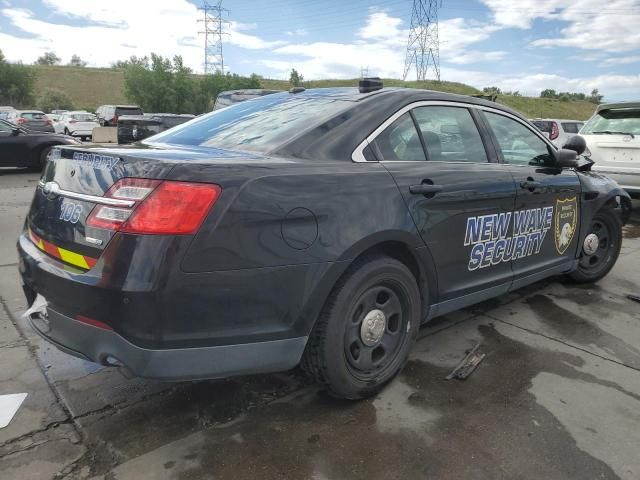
pixel 450 134
pixel 571 127
pixel 400 141
pixel 128 111
pixel 519 145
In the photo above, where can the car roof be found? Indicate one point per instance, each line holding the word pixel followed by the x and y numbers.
pixel 120 106
pixel 556 120
pixel 615 106
pixel 70 112
pixel 30 111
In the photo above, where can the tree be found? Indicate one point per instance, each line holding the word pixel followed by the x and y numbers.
pixel 16 83
pixel 548 93
pixel 76 61
pixel 595 97
pixel 295 79
pixel 160 84
pixel 492 90
pixel 54 99
pixel 49 58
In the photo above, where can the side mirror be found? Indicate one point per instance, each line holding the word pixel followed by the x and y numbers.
pixel 576 143
pixel 15 132
pixel 566 158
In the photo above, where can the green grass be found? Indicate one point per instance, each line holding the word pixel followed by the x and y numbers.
pixel 91 87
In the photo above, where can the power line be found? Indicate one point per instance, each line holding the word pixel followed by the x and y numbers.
pixel 423 46
pixel 213 33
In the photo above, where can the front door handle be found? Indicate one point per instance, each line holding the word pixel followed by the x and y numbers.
pixel 425 189
pixel 530 184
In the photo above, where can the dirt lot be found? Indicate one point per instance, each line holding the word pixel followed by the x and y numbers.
pixel 557 396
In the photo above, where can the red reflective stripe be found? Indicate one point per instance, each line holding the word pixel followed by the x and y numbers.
pixel 54 251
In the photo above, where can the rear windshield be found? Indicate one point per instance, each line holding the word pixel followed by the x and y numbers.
pixel 542 126
pixel 33 115
pixel 572 127
pixel 259 125
pixel 83 117
pixel 128 111
pixel 619 121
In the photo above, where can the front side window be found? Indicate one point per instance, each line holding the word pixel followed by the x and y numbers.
pixel 519 145
pixel 571 127
pixel 450 134
pixel 400 141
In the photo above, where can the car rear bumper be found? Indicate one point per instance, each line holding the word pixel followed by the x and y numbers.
pixel 175 326
pixel 106 347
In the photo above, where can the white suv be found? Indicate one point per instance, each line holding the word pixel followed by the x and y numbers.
pixel 556 130
pixel 613 143
pixel 77 124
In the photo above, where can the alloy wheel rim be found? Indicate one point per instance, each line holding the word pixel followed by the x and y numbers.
pixel 598 258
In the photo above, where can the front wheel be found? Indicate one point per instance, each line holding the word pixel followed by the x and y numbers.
pixel 44 156
pixel 600 248
pixel 365 332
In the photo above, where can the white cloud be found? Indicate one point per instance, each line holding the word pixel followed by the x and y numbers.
pixel 118 29
pixel 300 32
pixel 604 25
pixel 623 60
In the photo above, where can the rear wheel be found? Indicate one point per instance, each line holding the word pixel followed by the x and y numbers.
pixel 365 332
pixel 600 248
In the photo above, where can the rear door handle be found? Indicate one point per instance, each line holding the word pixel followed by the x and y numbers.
pixel 425 189
pixel 530 184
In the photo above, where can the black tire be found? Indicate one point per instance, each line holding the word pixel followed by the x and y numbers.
pixel 592 268
pixel 337 355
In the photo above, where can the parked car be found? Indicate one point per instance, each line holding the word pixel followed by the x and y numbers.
pixel 31 120
pixel 613 142
pixel 108 114
pixel 319 228
pixel 77 124
pixel 556 130
pixel 4 112
pixel 133 128
pixel 229 97
pixel 27 148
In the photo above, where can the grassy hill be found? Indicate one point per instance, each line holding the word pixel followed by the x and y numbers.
pixel 90 87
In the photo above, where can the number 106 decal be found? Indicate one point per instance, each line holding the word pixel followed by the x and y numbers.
pixel 70 212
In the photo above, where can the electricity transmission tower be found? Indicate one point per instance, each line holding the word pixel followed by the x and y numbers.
pixel 423 47
pixel 213 32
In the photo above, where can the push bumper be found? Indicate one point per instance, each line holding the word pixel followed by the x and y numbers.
pixel 106 347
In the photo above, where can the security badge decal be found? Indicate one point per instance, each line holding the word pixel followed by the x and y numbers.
pixel 565 223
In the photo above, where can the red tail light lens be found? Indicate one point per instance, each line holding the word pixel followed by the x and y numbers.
pixel 555 132
pixel 162 208
pixel 22 120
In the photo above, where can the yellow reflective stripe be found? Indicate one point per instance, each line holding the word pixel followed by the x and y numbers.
pixel 73 258
pixel 40 245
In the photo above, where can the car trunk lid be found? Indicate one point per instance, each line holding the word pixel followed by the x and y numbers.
pixel 72 184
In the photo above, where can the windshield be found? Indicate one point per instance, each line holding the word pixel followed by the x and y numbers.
pixel 619 121
pixel 259 125
pixel 33 115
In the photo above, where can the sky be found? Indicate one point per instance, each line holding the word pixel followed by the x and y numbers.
pixel 523 45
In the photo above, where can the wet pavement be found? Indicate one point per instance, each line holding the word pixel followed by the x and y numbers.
pixel 557 396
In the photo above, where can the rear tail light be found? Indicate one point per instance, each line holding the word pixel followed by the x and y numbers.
pixel 162 208
pixel 555 132
pixel 48 122
pixel 73 121
pixel 22 120
pixel 114 119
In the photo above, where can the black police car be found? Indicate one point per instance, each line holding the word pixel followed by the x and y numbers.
pixel 317 227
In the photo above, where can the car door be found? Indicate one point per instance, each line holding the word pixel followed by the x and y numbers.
pixel 459 201
pixel 13 148
pixel 546 215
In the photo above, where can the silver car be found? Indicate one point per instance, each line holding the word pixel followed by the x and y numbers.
pixel 613 143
